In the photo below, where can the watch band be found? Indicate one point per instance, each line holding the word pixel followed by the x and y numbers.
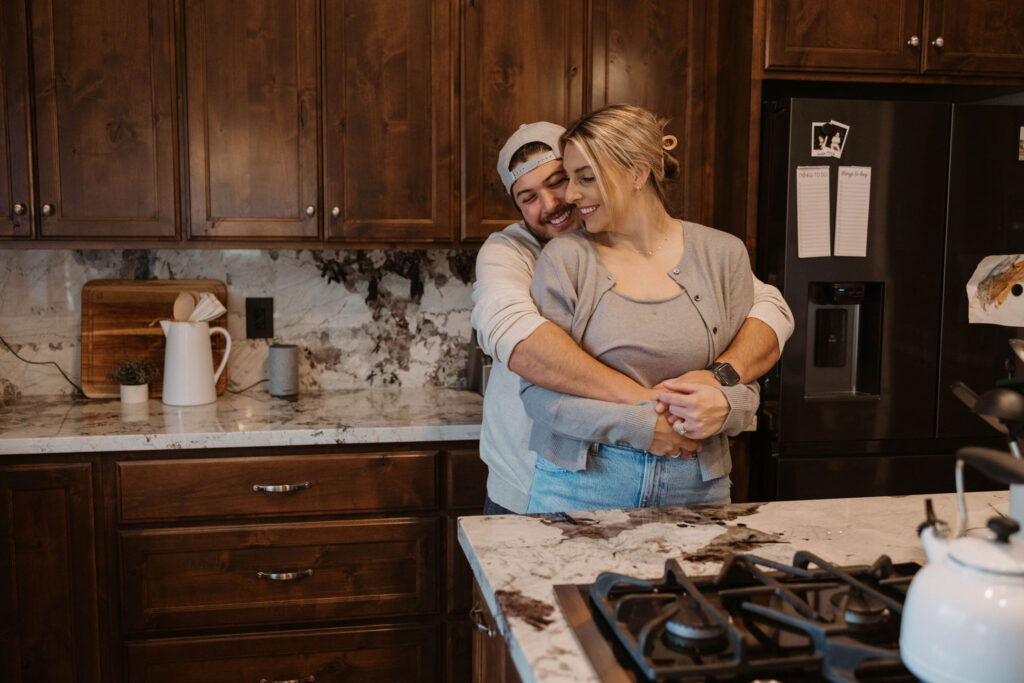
pixel 725 374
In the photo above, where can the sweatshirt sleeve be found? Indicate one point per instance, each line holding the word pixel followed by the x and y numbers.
pixel 770 308
pixel 744 399
pixel 504 313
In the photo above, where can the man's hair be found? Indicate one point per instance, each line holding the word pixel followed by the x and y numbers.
pixel 525 152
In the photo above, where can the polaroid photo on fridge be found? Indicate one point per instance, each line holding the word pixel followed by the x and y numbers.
pixel 838 132
pixel 820 136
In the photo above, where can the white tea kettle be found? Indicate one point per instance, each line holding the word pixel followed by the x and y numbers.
pixel 963 619
pixel 189 377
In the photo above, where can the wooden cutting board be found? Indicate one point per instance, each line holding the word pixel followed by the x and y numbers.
pixel 116 317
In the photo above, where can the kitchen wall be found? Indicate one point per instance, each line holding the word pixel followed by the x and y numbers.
pixel 361 318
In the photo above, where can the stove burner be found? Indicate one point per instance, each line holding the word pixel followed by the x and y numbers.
pixel 859 609
pixel 690 623
pixel 810 620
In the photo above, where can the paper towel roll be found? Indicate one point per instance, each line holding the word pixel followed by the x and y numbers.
pixel 284 369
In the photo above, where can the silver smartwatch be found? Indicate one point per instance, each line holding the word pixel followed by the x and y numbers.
pixel 725 374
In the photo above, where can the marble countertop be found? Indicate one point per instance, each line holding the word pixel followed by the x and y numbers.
pixel 251 419
pixel 517 560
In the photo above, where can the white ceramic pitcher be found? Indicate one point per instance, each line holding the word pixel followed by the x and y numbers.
pixel 189 377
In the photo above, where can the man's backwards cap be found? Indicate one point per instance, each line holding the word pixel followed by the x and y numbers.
pixel 542 131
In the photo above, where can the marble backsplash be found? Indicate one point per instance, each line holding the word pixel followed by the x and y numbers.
pixel 361 318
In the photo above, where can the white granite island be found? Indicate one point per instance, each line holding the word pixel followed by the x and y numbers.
pixel 516 560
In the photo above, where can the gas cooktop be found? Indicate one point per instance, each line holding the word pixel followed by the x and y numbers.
pixel 755 620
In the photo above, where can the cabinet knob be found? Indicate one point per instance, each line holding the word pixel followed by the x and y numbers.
pixel 47 209
pixel 19 209
pixel 336 211
pixel 310 210
pixel 914 41
pixel 938 43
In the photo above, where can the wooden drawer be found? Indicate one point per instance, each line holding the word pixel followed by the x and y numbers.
pixel 380 654
pixel 466 480
pixel 158 490
pixel 208 576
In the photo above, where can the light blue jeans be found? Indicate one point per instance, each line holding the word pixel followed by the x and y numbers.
pixel 617 477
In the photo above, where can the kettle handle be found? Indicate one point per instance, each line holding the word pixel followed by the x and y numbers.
pixel 227 350
pixel 998 465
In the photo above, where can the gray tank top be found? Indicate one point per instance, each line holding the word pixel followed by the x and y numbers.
pixel 649 341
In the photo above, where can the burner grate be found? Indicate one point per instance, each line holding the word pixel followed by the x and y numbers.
pixel 758 617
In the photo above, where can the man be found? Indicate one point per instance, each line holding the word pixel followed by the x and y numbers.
pixel 524 344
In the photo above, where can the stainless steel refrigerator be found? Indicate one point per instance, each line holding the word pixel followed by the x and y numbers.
pixel 860 402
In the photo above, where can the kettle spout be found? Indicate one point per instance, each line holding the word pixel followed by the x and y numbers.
pixel 934 534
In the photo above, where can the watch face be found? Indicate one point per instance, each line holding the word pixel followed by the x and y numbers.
pixel 725 374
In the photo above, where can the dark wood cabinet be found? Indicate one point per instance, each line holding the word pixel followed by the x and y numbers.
pixel 388 126
pixel 105 137
pixel 517 67
pixel 905 36
pixel 383 654
pixel 654 53
pixel 977 36
pixel 492 662
pixel 251 74
pixel 15 197
pixel 50 625
pixel 871 35
pixel 243 576
pixel 337 562
pixel 105 146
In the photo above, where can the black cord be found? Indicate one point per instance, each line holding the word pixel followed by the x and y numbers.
pixel 248 387
pixel 43 362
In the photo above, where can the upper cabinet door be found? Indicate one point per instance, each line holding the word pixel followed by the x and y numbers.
pixel 388 120
pixel 521 62
pixel 975 36
pixel 252 118
pixel 15 202
pixel 840 35
pixel 104 112
pixel 652 53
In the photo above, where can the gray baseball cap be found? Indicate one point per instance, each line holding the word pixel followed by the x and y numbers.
pixel 542 131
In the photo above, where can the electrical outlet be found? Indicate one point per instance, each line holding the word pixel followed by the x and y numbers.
pixel 259 318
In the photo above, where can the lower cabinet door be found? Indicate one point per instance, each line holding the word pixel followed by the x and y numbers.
pixel 49 625
pixel 271 574
pixel 378 653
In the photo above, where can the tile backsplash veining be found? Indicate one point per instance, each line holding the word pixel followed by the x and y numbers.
pixel 361 318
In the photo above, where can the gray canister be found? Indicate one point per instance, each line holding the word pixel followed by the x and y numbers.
pixel 284 369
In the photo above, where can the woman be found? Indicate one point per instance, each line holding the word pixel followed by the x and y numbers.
pixel 647 294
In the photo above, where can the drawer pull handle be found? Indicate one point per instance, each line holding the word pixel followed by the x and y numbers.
pixel 284 576
pixel 280 488
pixel 476 615
pixel 308 679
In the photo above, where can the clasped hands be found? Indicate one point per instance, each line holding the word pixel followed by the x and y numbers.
pixel 690 408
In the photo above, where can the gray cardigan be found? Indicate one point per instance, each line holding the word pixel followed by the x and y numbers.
pixel 570 280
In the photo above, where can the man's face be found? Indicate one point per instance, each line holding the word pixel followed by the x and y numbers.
pixel 540 196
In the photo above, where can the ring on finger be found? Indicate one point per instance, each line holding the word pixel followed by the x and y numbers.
pixel 680 428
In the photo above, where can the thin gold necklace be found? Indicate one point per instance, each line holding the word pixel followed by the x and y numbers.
pixel 664 239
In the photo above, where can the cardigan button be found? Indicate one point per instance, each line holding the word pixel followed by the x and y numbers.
pixel 714 330
pixel 696 297
pixel 675 271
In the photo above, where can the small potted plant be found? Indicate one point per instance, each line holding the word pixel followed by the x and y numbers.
pixel 134 376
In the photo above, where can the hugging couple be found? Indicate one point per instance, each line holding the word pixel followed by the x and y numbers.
pixel 626 342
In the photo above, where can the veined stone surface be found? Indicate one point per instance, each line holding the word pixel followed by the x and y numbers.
pixel 361 318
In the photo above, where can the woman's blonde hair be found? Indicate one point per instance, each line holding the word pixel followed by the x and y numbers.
pixel 629 137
